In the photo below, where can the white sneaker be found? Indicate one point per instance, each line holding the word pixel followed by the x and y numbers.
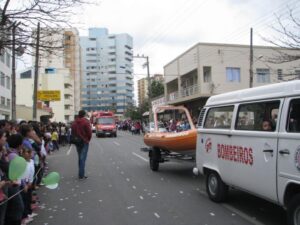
pixel 28 220
pixel 32 215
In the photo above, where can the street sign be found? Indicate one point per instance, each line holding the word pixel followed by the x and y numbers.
pixel 48 95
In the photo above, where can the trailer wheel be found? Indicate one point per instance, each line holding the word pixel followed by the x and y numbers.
pixel 154 158
pixel 216 189
pixel 293 210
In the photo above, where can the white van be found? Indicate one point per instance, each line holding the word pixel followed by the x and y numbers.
pixel 250 140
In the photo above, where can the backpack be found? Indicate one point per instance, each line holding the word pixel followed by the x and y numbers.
pixel 76 139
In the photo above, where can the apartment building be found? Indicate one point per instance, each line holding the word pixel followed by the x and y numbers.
pixel 207 69
pixel 5 84
pixel 107 82
pixel 59 69
pixel 143 87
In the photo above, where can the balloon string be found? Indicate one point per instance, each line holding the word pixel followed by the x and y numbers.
pixel 6 200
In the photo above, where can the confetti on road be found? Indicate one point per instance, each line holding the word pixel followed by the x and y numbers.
pixel 212 214
pixel 80 213
pixel 134 187
pixel 79 202
pixel 130 207
pixel 233 214
pixel 50 217
pixel 127 179
pixel 181 192
pixel 141 197
pixel 135 212
pixel 100 200
pixel 80 217
pixel 63 209
pixel 157 216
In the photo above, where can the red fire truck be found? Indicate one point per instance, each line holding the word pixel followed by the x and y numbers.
pixel 105 123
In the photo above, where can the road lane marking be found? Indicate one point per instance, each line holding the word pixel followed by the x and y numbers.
pixel 69 151
pixel 155 214
pixel 141 157
pixel 241 214
pixel 116 143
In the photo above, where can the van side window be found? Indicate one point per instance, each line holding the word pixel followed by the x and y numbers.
pixel 293 123
pixel 254 116
pixel 219 117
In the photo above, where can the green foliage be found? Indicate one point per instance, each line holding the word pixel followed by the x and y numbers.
pixel 157 88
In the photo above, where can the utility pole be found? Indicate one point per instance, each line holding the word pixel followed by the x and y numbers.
pixel 149 84
pixel 251 59
pixel 13 74
pixel 36 75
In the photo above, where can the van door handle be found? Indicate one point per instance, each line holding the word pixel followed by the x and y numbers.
pixel 268 150
pixel 284 152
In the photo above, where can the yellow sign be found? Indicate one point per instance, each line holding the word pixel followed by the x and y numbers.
pixel 48 95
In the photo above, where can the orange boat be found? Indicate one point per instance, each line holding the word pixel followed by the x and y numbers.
pixel 170 144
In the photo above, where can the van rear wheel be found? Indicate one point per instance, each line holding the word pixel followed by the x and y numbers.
pixel 216 189
pixel 293 211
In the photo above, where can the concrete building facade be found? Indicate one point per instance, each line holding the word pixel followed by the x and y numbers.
pixel 143 87
pixel 107 82
pixel 207 69
pixel 5 84
pixel 59 69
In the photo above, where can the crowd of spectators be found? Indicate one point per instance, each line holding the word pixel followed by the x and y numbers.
pixel 33 141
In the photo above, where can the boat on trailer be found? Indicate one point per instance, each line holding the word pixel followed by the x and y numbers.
pixel 163 146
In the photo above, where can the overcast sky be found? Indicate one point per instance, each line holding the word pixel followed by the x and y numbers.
pixel 163 29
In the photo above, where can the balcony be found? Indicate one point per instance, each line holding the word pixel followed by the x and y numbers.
pixel 186 92
pixel 69 112
pixel 68 91
pixel 191 90
pixel 69 101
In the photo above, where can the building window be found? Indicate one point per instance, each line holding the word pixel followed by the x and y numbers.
pixel 26 75
pixel 50 71
pixel 233 74
pixel 8 102
pixel 2 56
pixel 207 74
pixel 8 58
pixel 263 75
pixel 279 74
pixel 297 73
pixel 2 79
pixel 2 101
pixel 8 82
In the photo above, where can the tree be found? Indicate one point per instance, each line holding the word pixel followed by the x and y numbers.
pixel 287 37
pixel 134 113
pixel 26 14
pixel 157 88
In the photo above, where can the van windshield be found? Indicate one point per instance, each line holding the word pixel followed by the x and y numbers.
pixel 105 121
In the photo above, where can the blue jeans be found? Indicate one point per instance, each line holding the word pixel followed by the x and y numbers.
pixel 82 155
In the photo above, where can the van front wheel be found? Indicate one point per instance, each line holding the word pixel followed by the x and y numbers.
pixel 293 211
pixel 216 189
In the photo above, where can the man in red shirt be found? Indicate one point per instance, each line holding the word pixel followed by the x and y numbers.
pixel 81 127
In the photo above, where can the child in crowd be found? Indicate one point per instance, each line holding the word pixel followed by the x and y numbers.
pixel 27 184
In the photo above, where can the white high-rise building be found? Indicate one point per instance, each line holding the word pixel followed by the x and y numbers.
pixel 107 82
pixel 5 84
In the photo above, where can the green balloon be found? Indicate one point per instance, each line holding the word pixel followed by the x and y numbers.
pixel 52 179
pixel 17 168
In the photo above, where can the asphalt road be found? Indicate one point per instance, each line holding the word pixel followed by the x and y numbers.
pixel 121 189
